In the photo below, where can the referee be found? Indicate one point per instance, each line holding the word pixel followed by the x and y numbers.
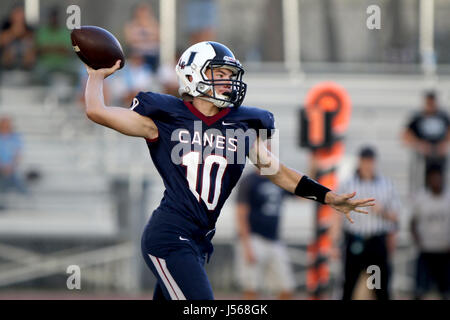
pixel 368 241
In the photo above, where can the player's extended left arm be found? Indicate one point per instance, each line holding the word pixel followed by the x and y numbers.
pixel 304 186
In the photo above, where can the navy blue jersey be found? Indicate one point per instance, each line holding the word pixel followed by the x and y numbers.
pixel 264 200
pixel 199 158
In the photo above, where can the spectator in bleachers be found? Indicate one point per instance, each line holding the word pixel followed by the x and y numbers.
pixel 430 227
pixel 167 77
pixel 55 54
pixel 17 42
pixel 428 133
pixel 10 152
pixel 201 29
pixel 142 35
pixel 367 240
pixel 134 77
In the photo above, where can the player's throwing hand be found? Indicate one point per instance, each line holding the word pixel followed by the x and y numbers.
pixel 105 72
pixel 344 204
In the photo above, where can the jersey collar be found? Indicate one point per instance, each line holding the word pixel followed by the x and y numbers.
pixel 209 120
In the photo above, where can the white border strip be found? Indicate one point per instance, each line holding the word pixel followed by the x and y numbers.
pixel 170 284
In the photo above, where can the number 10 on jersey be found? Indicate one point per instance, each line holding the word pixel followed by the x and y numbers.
pixel 191 161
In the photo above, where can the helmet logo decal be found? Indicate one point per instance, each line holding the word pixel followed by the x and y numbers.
pixel 189 62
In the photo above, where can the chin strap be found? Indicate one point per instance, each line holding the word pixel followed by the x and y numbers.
pixel 217 103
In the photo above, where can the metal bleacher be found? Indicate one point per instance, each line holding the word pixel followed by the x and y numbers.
pixel 61 146
pixel 69 216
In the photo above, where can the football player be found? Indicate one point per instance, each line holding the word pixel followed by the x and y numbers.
pixel 197 144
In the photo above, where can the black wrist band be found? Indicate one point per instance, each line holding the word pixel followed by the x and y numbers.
pixel 310 189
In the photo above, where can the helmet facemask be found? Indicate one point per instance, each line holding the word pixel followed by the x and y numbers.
pixel 238 87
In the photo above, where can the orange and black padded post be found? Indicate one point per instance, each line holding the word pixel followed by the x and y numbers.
pixel 324 120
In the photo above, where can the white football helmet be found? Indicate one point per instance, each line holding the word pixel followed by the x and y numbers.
pixel 193 81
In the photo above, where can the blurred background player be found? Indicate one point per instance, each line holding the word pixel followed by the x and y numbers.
pixel 430 227
pixel 428 135
pixel 259 249
pixel 369 240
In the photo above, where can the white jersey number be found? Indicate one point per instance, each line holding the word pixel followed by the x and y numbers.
pixel 192 160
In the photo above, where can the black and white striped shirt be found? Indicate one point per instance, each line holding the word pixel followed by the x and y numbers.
pixel 380 188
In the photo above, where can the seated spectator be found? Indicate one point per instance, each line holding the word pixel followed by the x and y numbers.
pixel 201 29
pixel 16 42
pixel 142 35
pixel 134 77
pixel 10 151
pixel 167 78
pixel 54 49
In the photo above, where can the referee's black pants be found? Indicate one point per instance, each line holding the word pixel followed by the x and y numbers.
pixel 360 253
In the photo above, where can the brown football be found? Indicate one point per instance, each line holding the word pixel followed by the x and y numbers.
pixel 97 47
